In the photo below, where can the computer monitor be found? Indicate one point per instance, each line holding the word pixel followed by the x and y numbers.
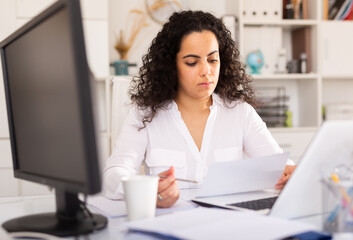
pixel 48 89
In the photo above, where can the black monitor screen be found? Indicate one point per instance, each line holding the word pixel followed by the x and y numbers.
pixel 45 108
pixel 48 89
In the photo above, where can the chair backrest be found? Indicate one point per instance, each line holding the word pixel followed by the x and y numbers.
pixel 119 106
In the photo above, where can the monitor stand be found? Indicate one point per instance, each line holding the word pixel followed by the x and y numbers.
pixel 70 219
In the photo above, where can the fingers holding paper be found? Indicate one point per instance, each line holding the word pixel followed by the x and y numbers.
pixel 168 191
pixel 288 170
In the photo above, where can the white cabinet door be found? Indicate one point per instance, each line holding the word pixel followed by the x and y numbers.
pixel 5 154
pixel 4 130
pixel 95 23
pixel 96 41
pixel 337 48
pixel 28 9
pixel 7 18
pixel 94 9
pixel 8 184
pixel 294 142
pixel 31 188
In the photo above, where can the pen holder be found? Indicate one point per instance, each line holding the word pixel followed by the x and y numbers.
pixel 338 207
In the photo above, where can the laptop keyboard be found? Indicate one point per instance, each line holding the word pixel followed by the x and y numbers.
pixel 258 204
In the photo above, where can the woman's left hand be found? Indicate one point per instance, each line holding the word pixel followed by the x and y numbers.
pixel 288 170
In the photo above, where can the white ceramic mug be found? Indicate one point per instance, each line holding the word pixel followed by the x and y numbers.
pixel 140 196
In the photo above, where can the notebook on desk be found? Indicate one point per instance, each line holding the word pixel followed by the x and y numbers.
pixel 302 196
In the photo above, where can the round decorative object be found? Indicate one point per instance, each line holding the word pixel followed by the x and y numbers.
pixel 161 10
pixel 255 61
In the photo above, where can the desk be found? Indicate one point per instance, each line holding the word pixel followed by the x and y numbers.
pixel 13 207
pixel 18 206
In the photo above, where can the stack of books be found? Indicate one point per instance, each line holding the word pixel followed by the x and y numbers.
pixel 274 106
pixel 338 9
pixel 295 9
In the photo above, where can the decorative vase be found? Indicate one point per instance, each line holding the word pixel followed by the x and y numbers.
pixel 120 67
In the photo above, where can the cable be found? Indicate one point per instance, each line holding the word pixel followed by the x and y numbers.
pixel 33 235
pixel 83 205
pixel 85 210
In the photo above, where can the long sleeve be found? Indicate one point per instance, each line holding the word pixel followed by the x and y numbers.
pixel 127 156
pixel 258 140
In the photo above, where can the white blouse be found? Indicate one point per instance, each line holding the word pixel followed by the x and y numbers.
pixel 231 133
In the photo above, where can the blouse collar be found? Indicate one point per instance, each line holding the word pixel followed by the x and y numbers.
pixel 216 101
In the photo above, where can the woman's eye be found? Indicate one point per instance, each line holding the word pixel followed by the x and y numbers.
pixel 213 60
pixel 191 64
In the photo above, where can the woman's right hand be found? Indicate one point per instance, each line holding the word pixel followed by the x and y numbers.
pixel 168 191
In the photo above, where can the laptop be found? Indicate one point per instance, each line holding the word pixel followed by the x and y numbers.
pixel 302 196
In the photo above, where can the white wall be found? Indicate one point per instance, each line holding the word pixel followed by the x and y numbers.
pixel 118 16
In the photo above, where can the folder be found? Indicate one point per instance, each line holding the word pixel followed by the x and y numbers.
pixel 264 9
pixel 301 43
pixel 335 8
pixel 304 8
pixel 325 7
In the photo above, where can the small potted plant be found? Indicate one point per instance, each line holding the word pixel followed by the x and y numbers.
pixel 126 39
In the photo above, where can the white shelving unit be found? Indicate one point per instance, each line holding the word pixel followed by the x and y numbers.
pixel 331 76
pixel 293 76
pixel 285 23
pixel 337 70
pixel 270 33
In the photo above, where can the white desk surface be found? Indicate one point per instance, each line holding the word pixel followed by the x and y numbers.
pixel 12 207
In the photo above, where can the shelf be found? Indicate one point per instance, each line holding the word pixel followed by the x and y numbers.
pixel 287 24
pixel 337 21
pixel 292 129
pixel 100 79
pixel 338 77
pixel 294 76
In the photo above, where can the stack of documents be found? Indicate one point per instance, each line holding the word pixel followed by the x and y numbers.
pixel 117 208
pixel 214 223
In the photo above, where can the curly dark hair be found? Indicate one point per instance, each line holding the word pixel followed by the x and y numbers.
pixel 157 82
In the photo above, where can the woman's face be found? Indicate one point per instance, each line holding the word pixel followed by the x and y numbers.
pixel 198 64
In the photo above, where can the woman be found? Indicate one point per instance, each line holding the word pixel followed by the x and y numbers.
pixel 193 106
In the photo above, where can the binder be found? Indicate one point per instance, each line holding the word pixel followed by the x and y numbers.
pixel 301 43
pixel 342 10
pixel 230 22
pixel 336 6
pixel 297 13
pixel 305 9
pixel 350 14
pixel 347 14
pixel 249 11
pixel 325 8
pixel 264 9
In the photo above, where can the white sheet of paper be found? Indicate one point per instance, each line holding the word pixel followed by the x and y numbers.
pixel 244 175
pixel 213 223
pixel 107 207
pixel 117 208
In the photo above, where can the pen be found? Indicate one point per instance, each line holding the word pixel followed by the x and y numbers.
pixel 336 179
pixel 346 198
pixel 183 180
